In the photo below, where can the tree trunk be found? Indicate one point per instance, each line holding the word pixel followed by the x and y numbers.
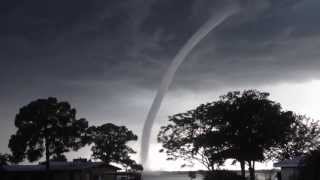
pixel 251 170
pixel 47 159
pixel 243 170
pixel 47 154
pixel 211 166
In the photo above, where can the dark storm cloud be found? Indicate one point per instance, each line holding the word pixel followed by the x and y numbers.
pixel 106 55
pixel 73 39
pixel 110 40
pixel 279 45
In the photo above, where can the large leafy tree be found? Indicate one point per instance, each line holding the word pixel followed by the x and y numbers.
pixel 46 127
pixel 241 126
pixel 109 144
pixel 252 124
pixel 184 139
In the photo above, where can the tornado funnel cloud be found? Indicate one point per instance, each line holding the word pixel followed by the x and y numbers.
pixel 212 23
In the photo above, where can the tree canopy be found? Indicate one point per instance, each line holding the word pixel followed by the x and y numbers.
pixel 4 159
pixel 244 126
pixel 109 144
pixel 303 138
pixel 182 137
pixel 46 126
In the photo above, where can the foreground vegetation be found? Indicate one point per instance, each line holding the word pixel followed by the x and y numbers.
pixel 245 126
pixel 49 128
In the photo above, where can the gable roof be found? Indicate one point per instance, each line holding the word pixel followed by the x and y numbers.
pixel 58 166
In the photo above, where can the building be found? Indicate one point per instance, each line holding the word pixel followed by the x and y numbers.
pixel 79 169
pixel 290 168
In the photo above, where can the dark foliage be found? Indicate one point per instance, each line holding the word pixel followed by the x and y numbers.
pixel 60 158
pixel 304 137
pixel 5 159
pixel 241 125
pixel 46 126
pixel 110 144
pixel 182 137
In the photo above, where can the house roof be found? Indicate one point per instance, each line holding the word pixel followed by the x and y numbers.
pixel 296 162
pixel 58 166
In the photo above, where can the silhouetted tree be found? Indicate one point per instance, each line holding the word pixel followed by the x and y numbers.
pixel 49 127
pixel 252 123
pixel 59 157
pixel 5 159
pixel 241 126
pixel 110 144
pixel 183 139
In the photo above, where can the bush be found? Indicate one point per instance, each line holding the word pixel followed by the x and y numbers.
pixel 223 175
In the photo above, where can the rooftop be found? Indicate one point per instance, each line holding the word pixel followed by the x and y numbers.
pixel 58 166
pixel 296 162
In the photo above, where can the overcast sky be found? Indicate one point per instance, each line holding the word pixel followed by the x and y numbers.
pixel 107 57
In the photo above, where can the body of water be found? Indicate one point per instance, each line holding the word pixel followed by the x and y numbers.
pixel 260 175
pixel 170 176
